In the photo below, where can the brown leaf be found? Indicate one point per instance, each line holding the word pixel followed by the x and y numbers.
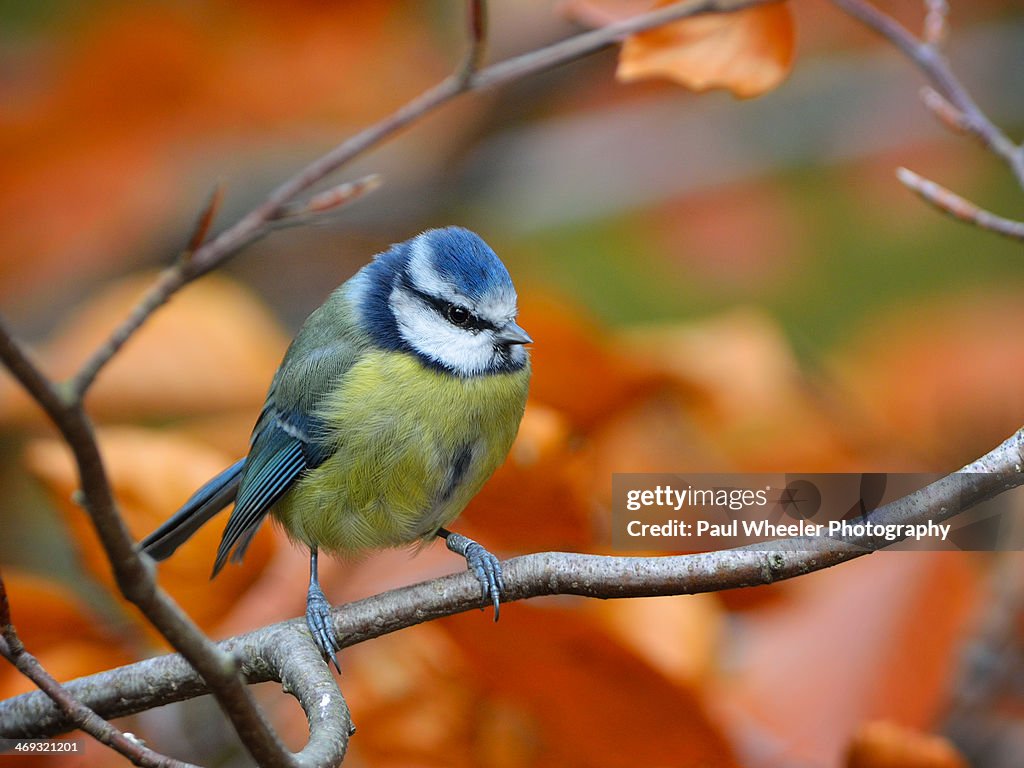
pixel 940 379
pixel 569 343
pixel 750 52
pixel 745 396
pixel 681 637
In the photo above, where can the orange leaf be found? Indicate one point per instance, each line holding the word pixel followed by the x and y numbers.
pixel 871 639
pixel 746 395
pixel 887 745
pixel 940 379
pixel 569 342
pixel 749 52
pixel 215 346
pixel 681 637
pixel 57 629
pixel 586 699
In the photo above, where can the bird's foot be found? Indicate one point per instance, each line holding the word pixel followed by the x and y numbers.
pixel 321 627
pixel 483 564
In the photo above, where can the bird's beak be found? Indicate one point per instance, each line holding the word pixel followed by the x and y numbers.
pixel 513 334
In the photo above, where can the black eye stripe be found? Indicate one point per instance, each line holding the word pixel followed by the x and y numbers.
pixel 441 306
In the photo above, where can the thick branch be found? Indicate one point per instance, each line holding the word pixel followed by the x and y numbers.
pixel 166 679
pixel 281 653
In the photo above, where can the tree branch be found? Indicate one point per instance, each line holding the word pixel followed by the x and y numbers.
pixel 476 18
pixel 134 579
pixel 934 65
pixel 76 714
pixel 958 207
pixel 168 679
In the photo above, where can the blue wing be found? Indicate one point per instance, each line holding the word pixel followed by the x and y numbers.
pixel 284 446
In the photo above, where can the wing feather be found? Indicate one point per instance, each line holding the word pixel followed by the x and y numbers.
pixel 275 462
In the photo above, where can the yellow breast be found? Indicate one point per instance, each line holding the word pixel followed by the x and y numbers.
pixel 413 446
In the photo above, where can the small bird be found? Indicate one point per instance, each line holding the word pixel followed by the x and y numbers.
pixel 396 401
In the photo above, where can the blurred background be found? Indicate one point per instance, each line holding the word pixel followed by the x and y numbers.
pixel 713 284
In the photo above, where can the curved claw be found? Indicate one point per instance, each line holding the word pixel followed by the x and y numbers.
pixel 318 619
pixel 485 566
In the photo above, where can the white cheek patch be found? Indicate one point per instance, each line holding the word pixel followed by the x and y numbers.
pixel 432 336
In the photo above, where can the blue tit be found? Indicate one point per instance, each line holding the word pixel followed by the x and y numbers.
pixel 394 404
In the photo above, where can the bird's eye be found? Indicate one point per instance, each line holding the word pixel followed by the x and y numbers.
pixel 457 315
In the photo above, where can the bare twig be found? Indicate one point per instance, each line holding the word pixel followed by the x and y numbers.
pixel 959 208
pixel 205 221
pixel 936 12
pixel 257 222
pixel 951 117
pixel 75 713
pixel 476 12
pixel 936 68
pixel 327 201
pixel 134 579
pixel 168 679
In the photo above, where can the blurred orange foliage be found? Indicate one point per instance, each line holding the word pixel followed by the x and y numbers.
pixel 214 348
pixel 152 473
pixel 98 140
pixel 885 745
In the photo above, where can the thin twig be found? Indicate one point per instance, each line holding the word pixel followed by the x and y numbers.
pixel 327 201
pixel 936 68
pixel 76 714
pixel 205 220
pixel 476 13
pixel 951 117
pixel 260 220
pixel 958 207
pixel 134 579
pixel 166 679
pixel 936 13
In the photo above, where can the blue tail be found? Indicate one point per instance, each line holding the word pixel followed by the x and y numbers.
pixel 203 504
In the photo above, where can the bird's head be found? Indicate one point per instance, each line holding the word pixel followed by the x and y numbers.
pixel 445 297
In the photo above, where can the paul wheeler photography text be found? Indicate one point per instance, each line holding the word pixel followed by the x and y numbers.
pixel 717 511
